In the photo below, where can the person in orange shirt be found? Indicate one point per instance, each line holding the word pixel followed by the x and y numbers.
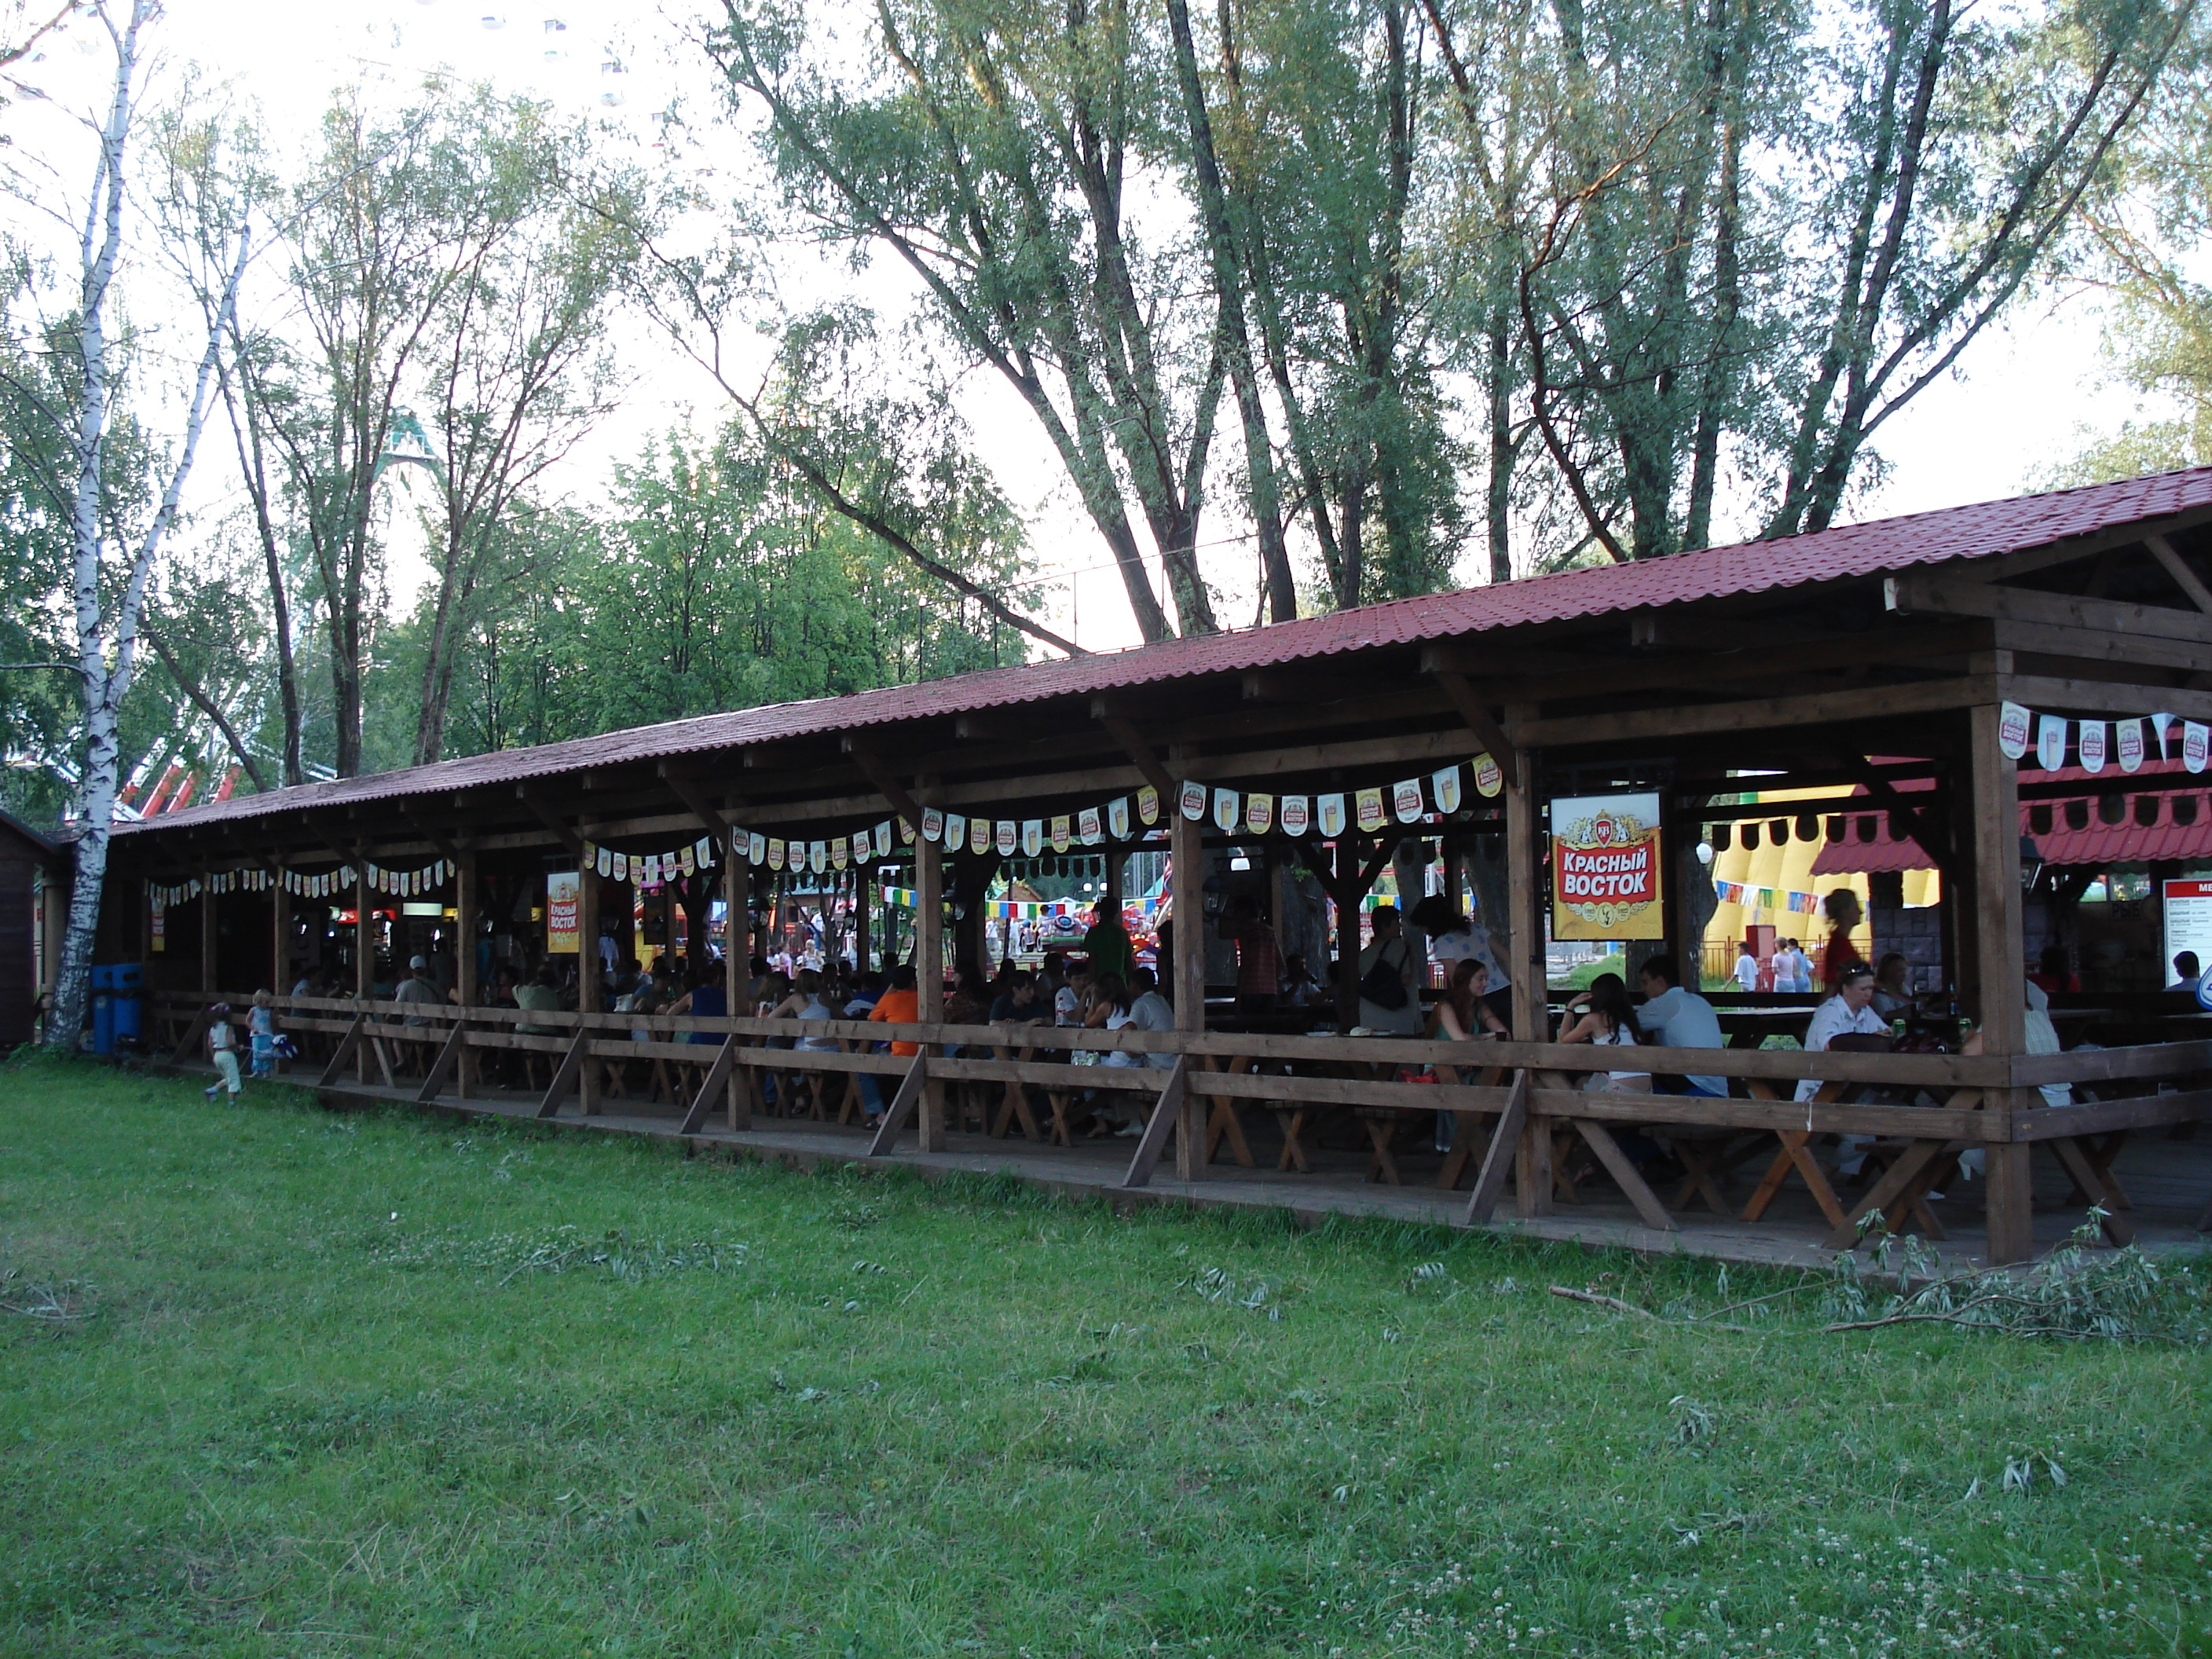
pixel 899 1005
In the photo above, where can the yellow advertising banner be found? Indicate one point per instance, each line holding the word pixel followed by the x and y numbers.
pixel 563 888
pixel 1605 857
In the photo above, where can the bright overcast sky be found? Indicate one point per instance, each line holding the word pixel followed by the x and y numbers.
pixel 2017 406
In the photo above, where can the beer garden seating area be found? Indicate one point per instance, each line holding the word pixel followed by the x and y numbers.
pixel 1906 668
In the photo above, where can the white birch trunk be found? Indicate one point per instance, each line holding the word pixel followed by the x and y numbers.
pixel 105 673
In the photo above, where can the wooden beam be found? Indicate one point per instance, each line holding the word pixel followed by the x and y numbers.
pixel 1300 686
pixel 563 831
pixel 343 1053
pixel 2101 697
pixel 448 1056
pixel 1993 807
pixel 1134 745
pixel 564 1075
pixel 888 787
pixel 1490 1184
pixel 901 1109
pixel 1764 714
pixel 716 1080
pixel 1939 596
pixel 2178 568
pixel 2092 645
pixel 1167 1111
pixel 690 794
pixel 1487 730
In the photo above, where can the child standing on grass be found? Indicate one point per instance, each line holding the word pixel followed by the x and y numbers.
pixel 222 1048
pixel 261 1025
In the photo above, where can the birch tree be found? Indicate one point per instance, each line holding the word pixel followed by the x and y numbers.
pixel 112 573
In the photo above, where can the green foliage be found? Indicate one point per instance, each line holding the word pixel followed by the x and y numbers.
pixel 293 1383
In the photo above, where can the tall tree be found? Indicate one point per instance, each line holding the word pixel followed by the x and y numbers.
pixel 990 150
pixel 111 574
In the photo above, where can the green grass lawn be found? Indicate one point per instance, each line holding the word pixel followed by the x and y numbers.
pixel 377 1384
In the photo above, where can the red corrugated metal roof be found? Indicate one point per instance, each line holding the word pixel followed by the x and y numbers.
pixel 1980 531
pixel 2097 844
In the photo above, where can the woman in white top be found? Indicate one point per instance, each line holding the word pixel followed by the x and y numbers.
pixel 1607 1020
pixel 807 1002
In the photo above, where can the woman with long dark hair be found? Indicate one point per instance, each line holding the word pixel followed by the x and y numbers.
pixel 1608 1021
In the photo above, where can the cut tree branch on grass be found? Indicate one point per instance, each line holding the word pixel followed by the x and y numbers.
pixel 1619 1306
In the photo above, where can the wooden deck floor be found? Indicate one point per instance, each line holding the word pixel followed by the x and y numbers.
pixel 2169 1180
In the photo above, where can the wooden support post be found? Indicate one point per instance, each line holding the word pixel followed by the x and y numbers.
pixel 911 1089
pixel 737 967
pixel 572 1063
pixel 715 1082
pixel 364 957
pixel 280 940
pixel 1187 879
pixel 864 917
pixel 467 901
pixel 1167 1114
pixel 1505 1142
pixel 929 981
pixel 1525 967
pixel 347 1047
pixel 457 1042
pixel 588 980
pixel 208 964
pixel 1999 953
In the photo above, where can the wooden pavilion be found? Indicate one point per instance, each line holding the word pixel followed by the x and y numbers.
pixel 1928 641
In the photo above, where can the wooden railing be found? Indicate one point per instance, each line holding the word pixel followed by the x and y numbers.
pixel 1519 1100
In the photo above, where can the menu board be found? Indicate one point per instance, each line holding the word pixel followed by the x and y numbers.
pixel 2188 926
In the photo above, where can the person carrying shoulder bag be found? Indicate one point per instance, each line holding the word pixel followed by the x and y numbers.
pixel 1389 1003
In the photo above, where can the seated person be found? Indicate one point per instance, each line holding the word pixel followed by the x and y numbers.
pixel 1849 1012
pixel 1893 995
pixel 1018 1004
pixel 1151 1012
pixel 1601 1016
pixel 1462 1013
pixel 1300 988
pixel 1674 1017
pixel 2053 972
pixel 2042 1039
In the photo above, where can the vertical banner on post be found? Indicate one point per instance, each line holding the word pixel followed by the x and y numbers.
pixel 563 891
pixel 1606 859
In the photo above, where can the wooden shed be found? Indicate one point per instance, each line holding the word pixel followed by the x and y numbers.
pixel 33 869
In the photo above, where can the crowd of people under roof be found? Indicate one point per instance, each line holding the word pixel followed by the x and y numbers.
pixel 1103 986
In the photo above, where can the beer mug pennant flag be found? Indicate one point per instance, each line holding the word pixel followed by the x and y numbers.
pixel 817 856
pixel 1032 837
pixel 2089 744
pixel 1406 800
pixel 1297 815
pixel 1328 816
pixel 1445 786
pixel 979 835
pixel 1148 805
pixel 2012 730
pixel 756 848
pixel 1489 777
pixel 1259 813
pixel 605 860
pixel 956 832
pixel 1063 836
pixel 621 871
pixel 2158 723
pixel 1194 802
pixel 1088 829
pixel 703 850
pixel 1007 838
pixel 2050 742
pixel 2195 739
pixel 932 824
pixel 884 838
pixel 1224 809
pixel 2128 743
pixel 1117 817
pixel 1369 806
